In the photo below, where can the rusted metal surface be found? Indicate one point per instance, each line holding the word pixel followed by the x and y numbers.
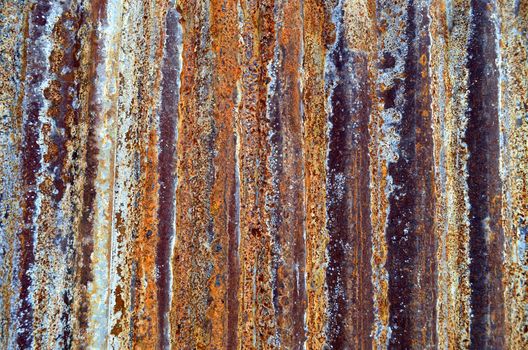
pixel 258 174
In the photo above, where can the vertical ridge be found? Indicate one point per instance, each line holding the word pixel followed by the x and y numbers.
pixel 317 28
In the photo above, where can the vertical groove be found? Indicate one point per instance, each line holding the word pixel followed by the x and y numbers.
pixel 411 243
pixel 348 206
pixel 168 116
pixel 484 185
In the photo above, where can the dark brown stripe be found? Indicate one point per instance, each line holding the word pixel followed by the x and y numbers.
pixel 482 137
pixel 410 237
pixel 168 120
pixel 233 267
pixel 348 274
pixel 30 163
pixel 273 199
pixel 33 105
pixel 285 201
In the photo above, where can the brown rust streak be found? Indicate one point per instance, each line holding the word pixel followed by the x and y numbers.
pixel 196 241
pixel 439 74
pixel 135 292
pixel 448 85
pixel 136 297
pixel 286 205
pixel 317 33
pixel 256 316
pixel 144 330
pixel 379 131
pixel 514 168
pixel 453 273
pixel 223 284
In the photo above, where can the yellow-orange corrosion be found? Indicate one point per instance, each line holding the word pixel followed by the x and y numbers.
pixel 263 174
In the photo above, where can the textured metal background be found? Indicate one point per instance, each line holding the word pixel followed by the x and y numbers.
pixel 256 174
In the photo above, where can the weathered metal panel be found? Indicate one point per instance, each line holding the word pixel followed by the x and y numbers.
pixel 257 174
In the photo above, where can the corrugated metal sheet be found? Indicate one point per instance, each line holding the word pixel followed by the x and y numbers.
pixel 256 174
